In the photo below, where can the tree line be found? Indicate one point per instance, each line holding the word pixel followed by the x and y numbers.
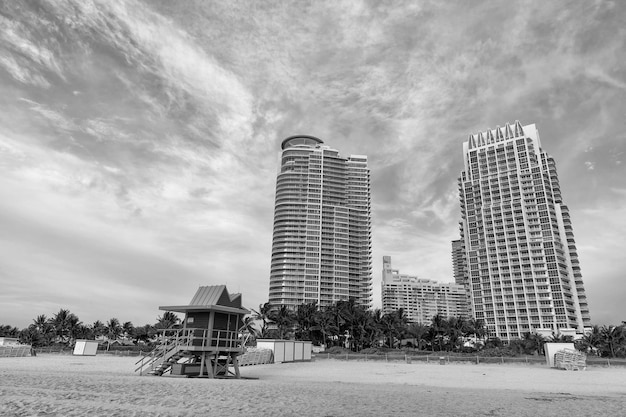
pixel 348 325
pixel 344 324
pixel 64 327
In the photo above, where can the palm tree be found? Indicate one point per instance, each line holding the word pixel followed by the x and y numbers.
pixel 326 323
pixel 60 322
pixel 41 322
pixel 41 330
pixel 98 328
pixel 455 329
pixel 348 312
pixel 114 330
pixel 167 320
pixel 284 319
pixel 394 325
pixel 32 336
pixel 532 342
pixel 560 338
pixel 248 329
pixel 9 331
pixel 82 332
pixel 73 327
pixel 477 328
pixel 263 314
pixel 439 326
pixel 144 333
pixel 612 338
pixel 591 341
pixel 128 330
pixel 305 320
pixel 418 331
pixel 374 330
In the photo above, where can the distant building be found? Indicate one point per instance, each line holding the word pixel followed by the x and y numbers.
pixel 321 248
pixel 523 269
pixel 420 298
pixel 9 341
pixel 459 268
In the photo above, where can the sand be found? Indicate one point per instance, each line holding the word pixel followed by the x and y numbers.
pixel 54 385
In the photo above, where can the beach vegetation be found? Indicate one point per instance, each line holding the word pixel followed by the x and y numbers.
pixel 344 326
pixel 263 315
pixel 167 321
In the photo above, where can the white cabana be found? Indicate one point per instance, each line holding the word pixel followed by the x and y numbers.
pixel 86 347
pixel 287 350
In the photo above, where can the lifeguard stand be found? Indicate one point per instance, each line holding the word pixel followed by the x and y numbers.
pixel 208 343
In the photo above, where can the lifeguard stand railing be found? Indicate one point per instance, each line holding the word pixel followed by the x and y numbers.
pixel 174 342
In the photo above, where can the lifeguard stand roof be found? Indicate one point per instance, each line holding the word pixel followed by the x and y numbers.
pixel 211 298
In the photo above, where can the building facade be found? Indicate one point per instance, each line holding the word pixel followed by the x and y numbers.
pixel 420 298
pixel 321 247
pixel 458 262
pixel 523 270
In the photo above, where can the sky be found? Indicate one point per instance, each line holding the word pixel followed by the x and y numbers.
pixel 140 140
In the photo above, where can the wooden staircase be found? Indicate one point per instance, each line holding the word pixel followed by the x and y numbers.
pixel 166 365
pixel 159 361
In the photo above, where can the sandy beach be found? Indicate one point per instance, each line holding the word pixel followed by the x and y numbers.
pixel 56 385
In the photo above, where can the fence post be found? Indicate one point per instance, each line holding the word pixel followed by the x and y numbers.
pixel 608 361
pixel 346 356
pixel 502 357
pixel 477 361
pixel 386 358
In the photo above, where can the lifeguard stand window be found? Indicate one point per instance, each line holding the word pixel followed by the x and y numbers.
pixel 199 320
pixel 225 321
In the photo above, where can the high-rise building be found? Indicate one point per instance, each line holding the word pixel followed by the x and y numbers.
pixel 321 247
pixel 458 261
pixel 523 269
pixel 459 267
pixel 420 298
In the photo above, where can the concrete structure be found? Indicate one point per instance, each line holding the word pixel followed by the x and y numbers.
pixel 523 270
pixel 321 247
pixel 420 298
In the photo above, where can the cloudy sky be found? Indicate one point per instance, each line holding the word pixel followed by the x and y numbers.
pixel 139 140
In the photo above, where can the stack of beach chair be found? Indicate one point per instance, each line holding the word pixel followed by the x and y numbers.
pixel 255 356
pixel 570 360
pixel 15 351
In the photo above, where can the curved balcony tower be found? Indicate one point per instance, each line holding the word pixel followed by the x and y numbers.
pixel 321 247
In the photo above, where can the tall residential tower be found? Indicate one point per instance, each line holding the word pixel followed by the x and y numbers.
pixel 523 271
pixel 321 248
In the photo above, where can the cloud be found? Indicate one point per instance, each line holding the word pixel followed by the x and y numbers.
pixel 149 131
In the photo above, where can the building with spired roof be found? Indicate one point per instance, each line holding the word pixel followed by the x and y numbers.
pixel 522 269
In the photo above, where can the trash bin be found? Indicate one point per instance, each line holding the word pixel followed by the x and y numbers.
pixel 442 360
